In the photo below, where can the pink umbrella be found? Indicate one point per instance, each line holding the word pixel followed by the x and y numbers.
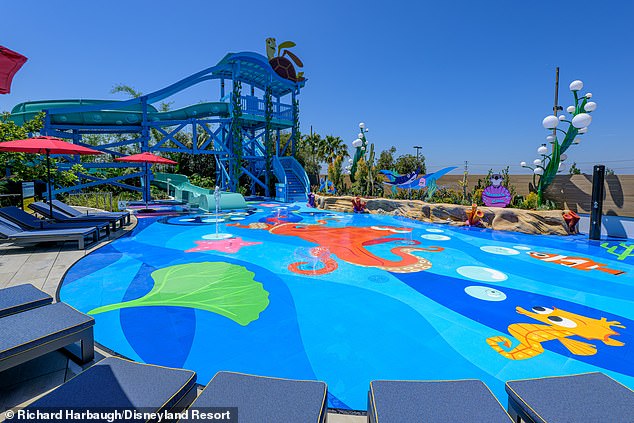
pixel 48 146
pixel 147 158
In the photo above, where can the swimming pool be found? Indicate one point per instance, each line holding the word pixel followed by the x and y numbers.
pixel 308 294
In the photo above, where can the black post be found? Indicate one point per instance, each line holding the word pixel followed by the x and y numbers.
pixel 598 176
pixel 50 187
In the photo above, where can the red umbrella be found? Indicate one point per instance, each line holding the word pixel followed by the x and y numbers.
pixel 10 63
pixel 147 158
pixel 48 146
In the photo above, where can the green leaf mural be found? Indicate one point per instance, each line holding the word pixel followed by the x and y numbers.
pixel 222 288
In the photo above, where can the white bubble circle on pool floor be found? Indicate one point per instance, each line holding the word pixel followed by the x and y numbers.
pixel 485 293
pixel 237 218
pixel 503 251
pixel 482 274
pixel 521 247
pixel 436 231
pixel 434 237
pixel 212 220
pixel 217 236
pixel 186 220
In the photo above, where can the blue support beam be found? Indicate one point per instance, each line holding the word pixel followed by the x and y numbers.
pixel 214 131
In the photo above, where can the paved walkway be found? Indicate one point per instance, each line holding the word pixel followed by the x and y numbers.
pixel 44 266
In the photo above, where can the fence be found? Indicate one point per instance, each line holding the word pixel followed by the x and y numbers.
pixel 98 200
pixel 569 191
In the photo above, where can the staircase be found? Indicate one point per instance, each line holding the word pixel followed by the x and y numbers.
pixel 292 175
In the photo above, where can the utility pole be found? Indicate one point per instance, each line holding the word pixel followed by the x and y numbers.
pixel 418 148
pixel 556 106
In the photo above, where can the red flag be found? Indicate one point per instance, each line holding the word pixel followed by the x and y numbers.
pixel 10 63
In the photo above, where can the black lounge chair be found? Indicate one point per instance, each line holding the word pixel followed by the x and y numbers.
pixel 582 398
pixel 44 210
pixel 21 298
pixel 41 330
pixel 116 384
pixel 28 221
pixel 73 212
pixel 433 401
pixel 264 399
pixel 15 234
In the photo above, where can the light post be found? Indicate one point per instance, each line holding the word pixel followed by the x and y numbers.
pixel 546 167
pixel 360 144
pixel 418 148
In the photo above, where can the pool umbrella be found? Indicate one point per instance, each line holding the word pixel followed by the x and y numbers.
pixel 10 63
pixel 147 158
pixel 48 146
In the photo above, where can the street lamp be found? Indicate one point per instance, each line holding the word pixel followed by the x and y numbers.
pixel 360 145
pixel 418 148
pixel 578 120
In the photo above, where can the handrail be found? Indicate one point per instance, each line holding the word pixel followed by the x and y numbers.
pixel 299 171
pixel 257 106
pixel 280 174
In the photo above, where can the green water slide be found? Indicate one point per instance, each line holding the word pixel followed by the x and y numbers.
pixel 130 115
pixel 182 190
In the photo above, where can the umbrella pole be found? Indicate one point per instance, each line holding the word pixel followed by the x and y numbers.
pixel 50 188
pixel 147 185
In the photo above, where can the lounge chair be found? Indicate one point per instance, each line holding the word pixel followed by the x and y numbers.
pixel 264 399
pixel 15 234
pixel 119 384
pixel 28 221
pixel 44 210
pixel 582 398
pixel 434 402
pixel 41 330
pixel 21 298
pixel 73 212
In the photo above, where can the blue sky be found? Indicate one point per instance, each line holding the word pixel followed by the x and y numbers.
pixel 466 80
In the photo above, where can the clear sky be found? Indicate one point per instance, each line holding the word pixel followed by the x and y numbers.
pixel 466 80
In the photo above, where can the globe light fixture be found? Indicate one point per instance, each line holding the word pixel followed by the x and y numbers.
pixel 359 135
pixel 361 125
pixel 545 169
pixel 590 106
pixel 576 85
pixel 581 120
pixel 357 143
pixel 550 122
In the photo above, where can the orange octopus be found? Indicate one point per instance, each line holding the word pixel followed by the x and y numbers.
pixel 349 244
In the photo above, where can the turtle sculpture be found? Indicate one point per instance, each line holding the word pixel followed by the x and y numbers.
pixel 280 64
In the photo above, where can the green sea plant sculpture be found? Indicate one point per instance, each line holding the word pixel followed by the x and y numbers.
pixel 546 167
pixel 360 145
pixel 222 288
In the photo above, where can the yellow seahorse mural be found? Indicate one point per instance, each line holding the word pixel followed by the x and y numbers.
pixel 561 326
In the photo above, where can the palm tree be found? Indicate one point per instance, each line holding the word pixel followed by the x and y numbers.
pixel 334 147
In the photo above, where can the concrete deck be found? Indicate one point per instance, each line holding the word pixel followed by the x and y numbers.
pixel 44 266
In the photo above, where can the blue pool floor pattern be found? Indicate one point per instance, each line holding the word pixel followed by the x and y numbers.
pixel 357 324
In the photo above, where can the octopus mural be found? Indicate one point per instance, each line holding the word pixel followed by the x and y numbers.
pixel 350 244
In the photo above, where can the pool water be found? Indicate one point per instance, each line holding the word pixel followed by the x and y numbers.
pixel 308 294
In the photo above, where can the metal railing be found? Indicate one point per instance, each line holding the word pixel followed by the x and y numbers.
pixel 256 106
pixel 97 200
